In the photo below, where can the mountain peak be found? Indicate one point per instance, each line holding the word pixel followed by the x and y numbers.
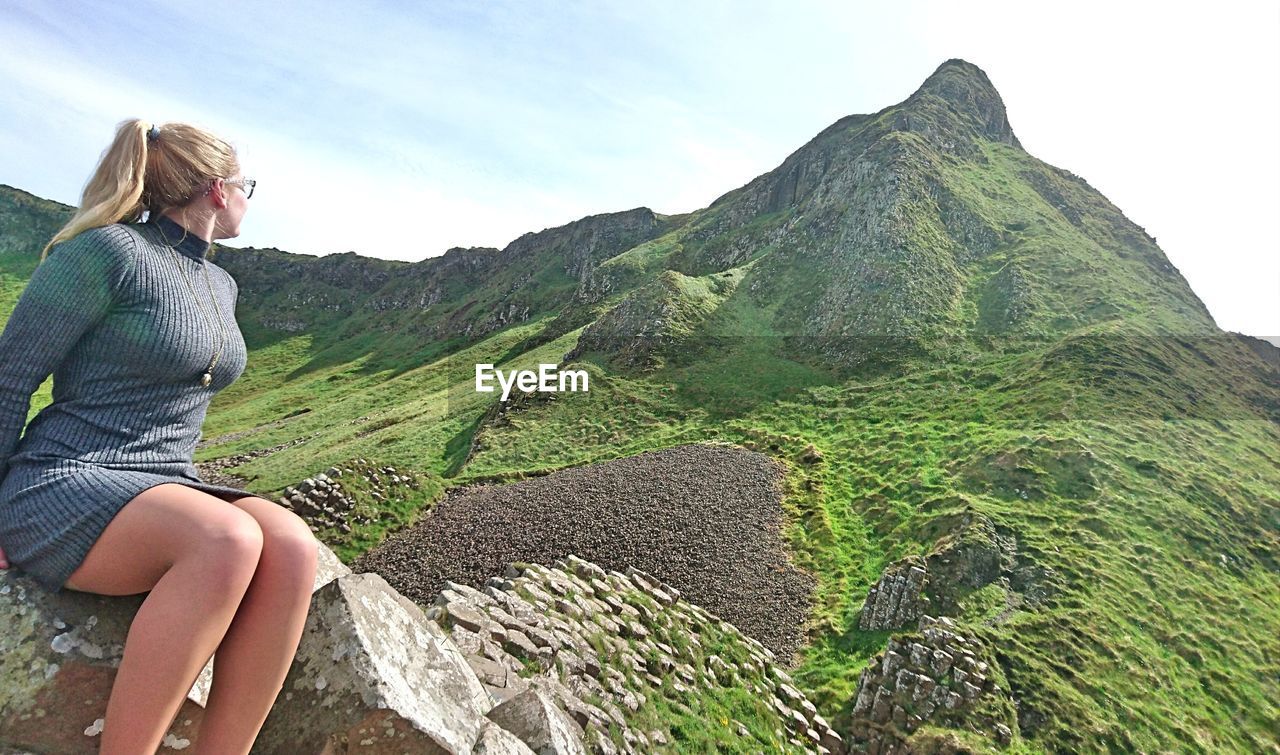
pixel 966 88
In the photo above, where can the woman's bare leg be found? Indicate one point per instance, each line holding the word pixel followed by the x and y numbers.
pixel 197 557
pixel 250 665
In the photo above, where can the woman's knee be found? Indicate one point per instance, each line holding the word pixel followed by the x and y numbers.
pixel 289 547
pixel 232 543
pixel 290 555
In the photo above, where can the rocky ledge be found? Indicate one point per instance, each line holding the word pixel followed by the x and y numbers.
pixel 565 658
pixel 606 644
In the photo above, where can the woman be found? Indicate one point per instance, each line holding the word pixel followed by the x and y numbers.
pixel 137 326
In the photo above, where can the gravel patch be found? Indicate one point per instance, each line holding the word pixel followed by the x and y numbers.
pixel 704 518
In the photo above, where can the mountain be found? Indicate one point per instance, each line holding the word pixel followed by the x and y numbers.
pixel 996 399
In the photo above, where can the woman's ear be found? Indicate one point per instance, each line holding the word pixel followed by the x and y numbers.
pixel 218 193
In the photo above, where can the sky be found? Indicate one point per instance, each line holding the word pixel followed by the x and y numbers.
pixel 398 130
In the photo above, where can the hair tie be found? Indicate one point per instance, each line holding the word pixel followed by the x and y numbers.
pixel 153 134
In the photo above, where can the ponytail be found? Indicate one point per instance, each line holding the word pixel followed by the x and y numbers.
pixel 140 173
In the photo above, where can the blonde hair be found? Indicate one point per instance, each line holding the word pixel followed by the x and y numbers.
pixel 136 174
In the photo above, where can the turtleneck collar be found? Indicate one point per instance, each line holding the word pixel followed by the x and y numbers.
pixel 169 233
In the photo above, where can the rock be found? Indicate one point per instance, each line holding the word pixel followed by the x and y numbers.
pixel 368 654
pixel 460 614
pixel 897 599
pixel 488 671
pixel 968 557
pixel 64 646
pixel 534 718
pixel 366 657
pixel 829 739
pixel 907 690
pixel 520 645
pixel 603 744
pixel 57 648
pixel 810 455
pixel 495 740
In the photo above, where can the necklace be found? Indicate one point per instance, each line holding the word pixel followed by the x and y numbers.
pixel 207 377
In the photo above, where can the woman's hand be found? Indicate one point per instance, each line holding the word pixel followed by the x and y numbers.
pixel 4 562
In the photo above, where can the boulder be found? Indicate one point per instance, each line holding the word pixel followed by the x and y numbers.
pixel 58 657
pixel 494 740
pixel 373 674
pixel 534 718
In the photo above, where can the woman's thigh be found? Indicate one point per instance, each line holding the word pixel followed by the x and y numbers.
pixel 159 527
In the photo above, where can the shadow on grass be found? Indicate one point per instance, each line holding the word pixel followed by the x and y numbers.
pixel 458 449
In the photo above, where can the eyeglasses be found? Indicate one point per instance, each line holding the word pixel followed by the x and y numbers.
pixel 246 184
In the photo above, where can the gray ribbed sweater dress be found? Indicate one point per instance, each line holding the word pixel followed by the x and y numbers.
pixel 108 314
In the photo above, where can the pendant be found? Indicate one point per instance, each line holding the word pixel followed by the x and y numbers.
pixel 206 378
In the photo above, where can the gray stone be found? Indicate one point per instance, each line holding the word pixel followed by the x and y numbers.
pixel 634 629
pixel 366 654
pixel 896 600
pixel 488 671
pixel 603 744
pixel 496 613
pixel 829 739
pixel 585 569
pixel 543 638
pixel 534 718
pixel 63 646
pixel 67 646
pixel 518 643
pixel 569 608
pixel 892 662
pixel 572 662
pixel 460 614
pixel 499 695
pixel 941 663
pixel 468 642
pixel 495 740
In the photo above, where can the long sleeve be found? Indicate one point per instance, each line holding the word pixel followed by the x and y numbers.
pixel 69 293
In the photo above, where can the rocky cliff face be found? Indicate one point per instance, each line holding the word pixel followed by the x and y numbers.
pixel 910 231
pixel 467 292
pixel 27 222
